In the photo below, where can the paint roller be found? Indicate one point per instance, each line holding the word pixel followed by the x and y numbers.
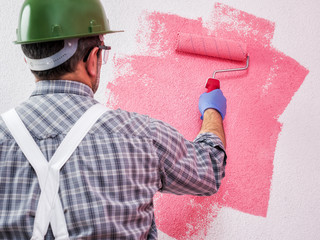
pixel 214 47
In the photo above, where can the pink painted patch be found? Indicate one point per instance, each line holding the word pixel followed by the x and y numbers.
pixel 166 85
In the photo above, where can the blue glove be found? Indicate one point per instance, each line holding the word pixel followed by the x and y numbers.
pixel 214 99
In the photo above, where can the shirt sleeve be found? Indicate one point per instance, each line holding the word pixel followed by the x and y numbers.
pixel 186 167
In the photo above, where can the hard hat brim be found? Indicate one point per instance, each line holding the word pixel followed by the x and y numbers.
pixel 62 38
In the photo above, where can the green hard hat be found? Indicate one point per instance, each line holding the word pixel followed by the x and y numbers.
pixel 50 20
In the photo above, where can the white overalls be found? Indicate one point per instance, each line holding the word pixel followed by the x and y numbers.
pixel 49 209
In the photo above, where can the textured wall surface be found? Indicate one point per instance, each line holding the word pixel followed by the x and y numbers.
pixel 272 124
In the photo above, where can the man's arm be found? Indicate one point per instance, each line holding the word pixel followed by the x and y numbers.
pixel 212 122
pixel 213 106
pixel 197 167
pixel 188 167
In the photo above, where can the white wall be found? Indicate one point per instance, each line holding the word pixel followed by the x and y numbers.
pixel 294 207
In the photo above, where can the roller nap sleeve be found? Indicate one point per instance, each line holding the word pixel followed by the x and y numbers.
pixel 210 46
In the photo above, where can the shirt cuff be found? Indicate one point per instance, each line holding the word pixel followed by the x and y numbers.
pixel 209 139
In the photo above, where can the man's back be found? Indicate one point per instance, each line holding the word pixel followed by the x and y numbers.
pixel 108 179
pixel 107 186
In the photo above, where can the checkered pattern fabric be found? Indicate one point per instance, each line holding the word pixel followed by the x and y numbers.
pixel 107 185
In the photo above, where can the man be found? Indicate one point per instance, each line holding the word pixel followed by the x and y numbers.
pixel 72 169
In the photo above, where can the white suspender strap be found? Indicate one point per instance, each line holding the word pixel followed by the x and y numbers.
pixel 49 208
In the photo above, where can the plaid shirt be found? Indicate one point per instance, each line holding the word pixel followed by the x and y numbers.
pixel 107 185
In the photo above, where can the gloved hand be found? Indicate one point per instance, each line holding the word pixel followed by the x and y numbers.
pixel 214 99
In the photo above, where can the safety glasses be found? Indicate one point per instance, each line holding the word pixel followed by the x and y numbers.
pixel 104 53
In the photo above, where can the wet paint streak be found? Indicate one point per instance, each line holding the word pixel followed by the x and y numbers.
pixel 166 85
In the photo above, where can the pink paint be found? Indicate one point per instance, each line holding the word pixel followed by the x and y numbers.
pixel 168 86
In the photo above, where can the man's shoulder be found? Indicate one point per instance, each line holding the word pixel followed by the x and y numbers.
pixel 4 132
pixel 124 122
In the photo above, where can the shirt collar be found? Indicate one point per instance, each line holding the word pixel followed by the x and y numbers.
pixel 62 86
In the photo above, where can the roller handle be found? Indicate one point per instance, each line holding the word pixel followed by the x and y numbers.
pixel 212 84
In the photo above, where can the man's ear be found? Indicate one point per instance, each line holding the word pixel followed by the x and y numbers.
pixel 92 62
